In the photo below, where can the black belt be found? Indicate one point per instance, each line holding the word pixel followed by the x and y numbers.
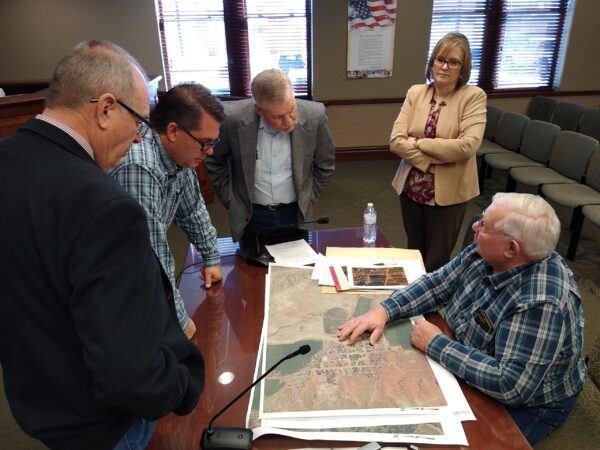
pixel 274 206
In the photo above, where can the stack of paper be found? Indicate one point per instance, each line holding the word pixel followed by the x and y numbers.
pixel 367 268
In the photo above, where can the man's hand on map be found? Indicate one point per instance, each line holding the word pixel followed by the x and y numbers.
pixel 373 321
pixel 422 332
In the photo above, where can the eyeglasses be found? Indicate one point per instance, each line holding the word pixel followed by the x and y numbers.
pixel 452 63
pixel 144 124
pixel 204 146
pixel 480 226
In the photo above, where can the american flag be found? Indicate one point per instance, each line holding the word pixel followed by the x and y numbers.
pixel 371 13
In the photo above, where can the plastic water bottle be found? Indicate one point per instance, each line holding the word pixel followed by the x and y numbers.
pixel 369 224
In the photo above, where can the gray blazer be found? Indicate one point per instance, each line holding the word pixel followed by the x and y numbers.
pixel 232 165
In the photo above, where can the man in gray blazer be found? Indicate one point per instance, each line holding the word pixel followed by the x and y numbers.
pixel 274 157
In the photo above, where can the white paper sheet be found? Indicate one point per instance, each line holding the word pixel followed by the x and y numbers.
pixel 295 253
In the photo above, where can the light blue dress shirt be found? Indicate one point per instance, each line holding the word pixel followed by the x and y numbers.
pixel 273 181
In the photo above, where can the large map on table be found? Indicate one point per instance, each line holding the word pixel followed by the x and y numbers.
pixel 335 376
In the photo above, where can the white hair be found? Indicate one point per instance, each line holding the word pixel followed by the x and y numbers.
pixel 529 219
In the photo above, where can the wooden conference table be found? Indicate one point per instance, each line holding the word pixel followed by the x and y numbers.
pixel 229 319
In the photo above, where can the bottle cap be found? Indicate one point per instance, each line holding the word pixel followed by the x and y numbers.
pixel 369 204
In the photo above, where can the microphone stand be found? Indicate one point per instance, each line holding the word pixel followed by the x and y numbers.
pixel 230 438
pixel 257 258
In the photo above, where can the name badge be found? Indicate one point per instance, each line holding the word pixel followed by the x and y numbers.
pixel 483 321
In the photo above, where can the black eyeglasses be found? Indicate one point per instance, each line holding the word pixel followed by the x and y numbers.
pixel 452 63
pixel 204 146
pixel 144 124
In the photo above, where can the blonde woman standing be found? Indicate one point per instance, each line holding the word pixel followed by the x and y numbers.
pixel 437 134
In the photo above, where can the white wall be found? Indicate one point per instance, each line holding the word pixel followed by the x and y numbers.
pixel 35 34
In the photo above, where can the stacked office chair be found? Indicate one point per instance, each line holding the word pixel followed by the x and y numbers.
pixel 492 116
pixel 589 124
pixel 541 108
pixel 577 196
pixel 507 139
pixel 538 139
pixel 567 115
pixel 569 159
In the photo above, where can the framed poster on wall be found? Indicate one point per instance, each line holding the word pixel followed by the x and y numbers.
pixel 371 29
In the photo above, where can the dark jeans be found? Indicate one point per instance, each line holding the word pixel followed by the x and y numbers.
pixel 537 422
pixel 265 221
pixel 433 230
pixel 138 436
pixel 268 226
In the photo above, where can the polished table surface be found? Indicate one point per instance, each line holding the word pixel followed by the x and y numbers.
pixel 229 318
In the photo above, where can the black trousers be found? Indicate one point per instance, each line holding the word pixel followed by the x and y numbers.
pixel 433 230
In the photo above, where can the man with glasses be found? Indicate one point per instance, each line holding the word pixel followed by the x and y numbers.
pixel 159 173
pixel 275 156
pixel 91 350
pixel 514 307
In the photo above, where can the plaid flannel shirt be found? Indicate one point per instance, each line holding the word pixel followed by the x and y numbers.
pixel 169 194
pixel 519 333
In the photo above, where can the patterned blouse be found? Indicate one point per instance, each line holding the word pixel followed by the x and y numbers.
pixel 419 186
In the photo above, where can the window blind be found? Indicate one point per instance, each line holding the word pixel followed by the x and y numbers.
pixel 515 43
pixel 223 44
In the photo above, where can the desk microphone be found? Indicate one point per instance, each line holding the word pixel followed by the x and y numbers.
pixel 226 438
pixel 258 259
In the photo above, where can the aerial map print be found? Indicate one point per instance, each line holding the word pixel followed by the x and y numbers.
pixel 379 276
pixel 373 432
pixel 335 376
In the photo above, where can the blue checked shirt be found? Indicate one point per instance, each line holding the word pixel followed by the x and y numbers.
pixel 169 194
pixel 531 352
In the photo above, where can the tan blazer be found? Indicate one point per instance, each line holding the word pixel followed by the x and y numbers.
pixel 464 113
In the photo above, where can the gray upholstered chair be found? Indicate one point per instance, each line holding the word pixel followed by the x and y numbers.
pixel 507 138
pixel 541 108
pixel 589 124
pixel 538 139
pixel 576 196
pixel 567 115
pixel 492 116
pixel 569 160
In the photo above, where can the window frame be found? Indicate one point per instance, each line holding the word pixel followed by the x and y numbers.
pixel 238 48
pixel 496 18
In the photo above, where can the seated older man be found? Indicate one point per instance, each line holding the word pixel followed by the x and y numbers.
pixel 513 305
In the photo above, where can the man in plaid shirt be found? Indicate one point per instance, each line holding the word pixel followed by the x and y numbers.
pixel 513 305
pixel 159 173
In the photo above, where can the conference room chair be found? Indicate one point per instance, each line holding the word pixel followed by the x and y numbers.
pixel 492 116
pixel 567 115
pixel 507 138
pixel 541 108
pixel 569 160
pixel 538 139
pixel 469 236
pixel 589 124
pixel 577 196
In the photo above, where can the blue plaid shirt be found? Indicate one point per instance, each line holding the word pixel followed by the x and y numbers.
pixel 519 333
pixel 169 194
